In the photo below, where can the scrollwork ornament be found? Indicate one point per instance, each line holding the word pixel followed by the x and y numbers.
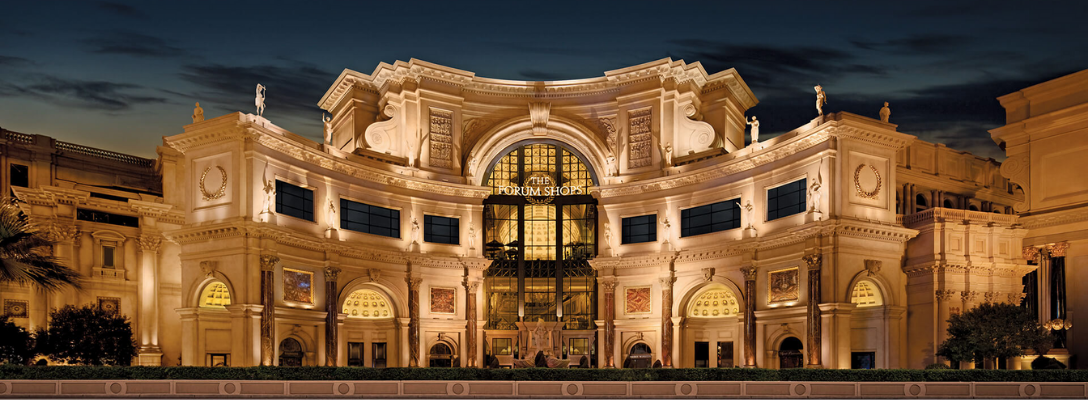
pixel 857 182
pixel 222 187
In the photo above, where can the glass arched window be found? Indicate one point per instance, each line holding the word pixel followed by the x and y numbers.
pixel 367 304
pixel 215 295
pixel 540 227
pixel 714 303
pixel 866 294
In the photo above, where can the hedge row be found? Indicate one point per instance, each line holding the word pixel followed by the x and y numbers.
pixel 539 374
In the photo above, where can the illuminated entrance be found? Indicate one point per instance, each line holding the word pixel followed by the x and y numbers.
pixel 540 227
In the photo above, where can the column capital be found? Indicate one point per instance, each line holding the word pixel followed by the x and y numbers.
pixel 149 242
pixel 332 274
pixel 944 294
pixel 1058 249
pixel 1031 253
pixel 269 261
pixel 968 296
pixel 413 283
pixel 62 233
pixel 666 282
pixel 750 272
pixel 814 261
pixel 609 284
pixel 471 286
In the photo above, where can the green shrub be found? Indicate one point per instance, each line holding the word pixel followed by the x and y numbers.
pixel 16 344
pixel 1046 363
pixel 937 366
pixel 87 335
pixel 9 372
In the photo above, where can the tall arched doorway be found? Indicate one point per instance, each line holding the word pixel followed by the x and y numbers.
pixel 789 353
pixel 640 356
pixel 709 327
pixel 441 355
pixel 370 328
pixel 540 228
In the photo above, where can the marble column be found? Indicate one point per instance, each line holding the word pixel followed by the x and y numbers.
pixel 413 320
pixel 268 312
pixel 666 320
pixel 815 330
pixel 749 315
pixel 609 287
pixel 332 310
pixel 470 321
pixel 148 289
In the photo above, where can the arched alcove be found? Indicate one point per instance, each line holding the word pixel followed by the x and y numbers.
pixel 215 295
pixel 866 294
pixel 367 304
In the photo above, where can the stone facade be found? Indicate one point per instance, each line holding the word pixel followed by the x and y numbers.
pixel 891 236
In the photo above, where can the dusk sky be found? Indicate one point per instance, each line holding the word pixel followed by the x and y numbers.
pixel 120 75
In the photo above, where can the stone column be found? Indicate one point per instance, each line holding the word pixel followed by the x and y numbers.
pixel 944 298
pixel 609 286
pixel 470 321
pixel 666 320
pixel 749 315
pixel 268 312
pixel 332 310
pixel 149 351
pixel 413 320
pixel 65 244
pixel 815 330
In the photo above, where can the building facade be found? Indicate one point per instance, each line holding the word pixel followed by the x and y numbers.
pixel 624 219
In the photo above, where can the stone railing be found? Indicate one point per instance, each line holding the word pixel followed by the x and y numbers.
pixel 939 213
pixel 528 389
pixel 108 273
pixel 18 137
pixel 105 154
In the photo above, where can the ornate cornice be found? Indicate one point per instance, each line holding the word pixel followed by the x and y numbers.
pixel 1055 218
pixel 642 261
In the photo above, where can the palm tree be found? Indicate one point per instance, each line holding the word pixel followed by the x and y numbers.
pixel 26 254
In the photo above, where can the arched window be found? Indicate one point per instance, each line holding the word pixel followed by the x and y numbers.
pixel 215 295
pixel 714 303
pixel 540 228
pixel 789 353
pixel 640 356
pixel 866 294
pixel 948 203
pixel 367 304
pixel 441 356
pixel 972 207
pixel 921 202
pixel 290 353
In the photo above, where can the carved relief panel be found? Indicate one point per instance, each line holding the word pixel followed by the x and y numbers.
pixel 640 138
pixel 441 138
pixel 211 180
pixel 637 300
pixel 298 286
pixel 783 285
pixel 443 300
pixel 869 181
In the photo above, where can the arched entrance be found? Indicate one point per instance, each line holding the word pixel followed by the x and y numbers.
pixel 640 356
pixel 441 355
pixel 290 353
pixel 710 326
pixel 789 353
pixel 540 228
pixel 370 327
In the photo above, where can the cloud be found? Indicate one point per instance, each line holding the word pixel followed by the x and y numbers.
pixel 90 95
pixel 776 69
pixel 14 62
pixel 926 43
pixel 133 44
pixel 293 90
pixel 123 10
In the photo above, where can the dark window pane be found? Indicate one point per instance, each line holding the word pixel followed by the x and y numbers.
pixel 639 229
pixel 20 175
pixel 295 201
pixel 107 218
pixel 786 200
pixel 441 229
pixel 370 219
pixel 715 217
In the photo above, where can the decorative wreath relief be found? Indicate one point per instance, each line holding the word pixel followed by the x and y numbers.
pixel 222 187
pixel 857 182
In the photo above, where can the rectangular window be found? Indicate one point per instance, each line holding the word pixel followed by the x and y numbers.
pixel 640 229
pixel 295 201
pixel 578 347
pixel 370 219
pixel 218 360
pixel 501 347
pixel 20 175
pixel 355 354
pixel 715 217
pixel 107 256
pixel 107 218
pixel 725 354
pixel 786 200
pixel 702 354
pixel 441 230
pixel 862 360
pixel 379 355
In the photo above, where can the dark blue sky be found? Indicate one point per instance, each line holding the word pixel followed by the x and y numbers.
pixel 119 75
